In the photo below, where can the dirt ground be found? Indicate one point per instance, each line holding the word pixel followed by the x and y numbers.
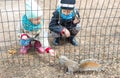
pixel 99 38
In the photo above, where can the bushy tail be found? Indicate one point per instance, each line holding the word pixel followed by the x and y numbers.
pixel 91 65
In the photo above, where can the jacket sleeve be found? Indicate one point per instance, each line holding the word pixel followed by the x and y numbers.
pixel 43 38
pixel 54 23
pixel 78 15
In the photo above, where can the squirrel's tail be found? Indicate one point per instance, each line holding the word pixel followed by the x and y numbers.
pixel 90 65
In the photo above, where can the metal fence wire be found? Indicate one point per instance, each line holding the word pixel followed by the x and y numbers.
pixel 99 35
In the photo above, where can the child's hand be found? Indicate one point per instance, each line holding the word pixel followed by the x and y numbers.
pixel 76 20
pixel 66 32
pixel 52 52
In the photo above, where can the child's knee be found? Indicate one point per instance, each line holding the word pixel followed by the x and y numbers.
pixel 37 44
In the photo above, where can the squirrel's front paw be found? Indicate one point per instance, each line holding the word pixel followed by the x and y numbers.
pixel 67 72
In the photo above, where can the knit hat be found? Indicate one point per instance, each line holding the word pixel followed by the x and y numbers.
pixel 67 4
pixel 32 9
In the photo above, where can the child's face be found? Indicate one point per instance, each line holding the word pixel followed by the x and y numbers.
pixel 35 20
pixel 66 12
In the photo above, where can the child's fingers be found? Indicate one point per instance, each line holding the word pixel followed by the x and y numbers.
pixel 52 53
pixel 75 21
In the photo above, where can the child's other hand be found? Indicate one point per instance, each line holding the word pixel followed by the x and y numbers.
pixel 24 37
pixel 66 32
pixel 52 52
pixel 76 20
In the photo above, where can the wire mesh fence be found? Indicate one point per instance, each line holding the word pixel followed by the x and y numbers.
pixel 99 35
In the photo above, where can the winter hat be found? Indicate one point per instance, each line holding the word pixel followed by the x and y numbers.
pixel 67 4
pixel 32 9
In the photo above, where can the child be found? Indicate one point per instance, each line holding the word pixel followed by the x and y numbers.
pixel 32 30
pixel 64 22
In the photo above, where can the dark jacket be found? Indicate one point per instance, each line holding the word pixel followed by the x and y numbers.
pixel 57 23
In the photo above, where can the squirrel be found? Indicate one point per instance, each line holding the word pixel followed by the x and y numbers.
pixel 84 65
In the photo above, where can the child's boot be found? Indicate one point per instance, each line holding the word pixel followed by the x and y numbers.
pixel 73 41
pixel 56 41
pixel 39 48
pixel 24 49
